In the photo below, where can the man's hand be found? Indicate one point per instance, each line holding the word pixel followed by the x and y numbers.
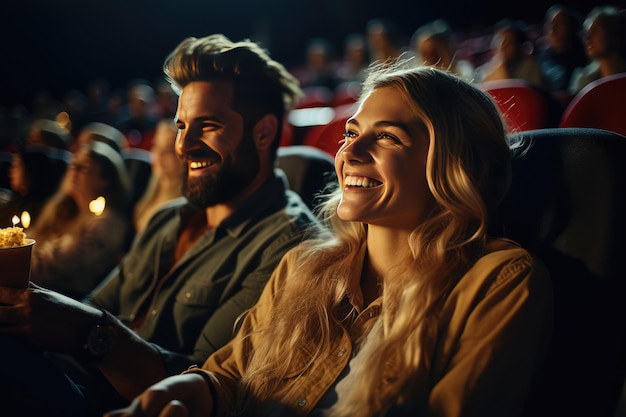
pixel 46 319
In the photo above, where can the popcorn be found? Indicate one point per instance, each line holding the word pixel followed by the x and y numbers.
pixel 11 237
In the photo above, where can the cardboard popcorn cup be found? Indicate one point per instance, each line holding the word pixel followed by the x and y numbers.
pixel 15 265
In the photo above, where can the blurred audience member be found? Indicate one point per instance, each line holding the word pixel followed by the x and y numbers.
pixel 562 50
pixel 319 70
pixel 433 43
pixel 166 182
pixel 166 100
pixel 139 123
pixel 77 242
pixel 317 76
pixel 96 107
pixel 605 44
pixel 74 107
pixel 35 174
pixel 46 132
pixel 384 40
pixel 510 59
pixel 356 59
pixel 102 132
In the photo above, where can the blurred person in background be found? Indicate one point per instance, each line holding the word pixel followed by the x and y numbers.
pixel 98 131
pixel 433 43
pixel 384 40
pixel 317 76
pixel 166 181
pixel 166 100
pixel 510 58
pixel 46 132
pixel 561 50
pixel 35 174
pixel 320 65
pixel 605 44
pixel 139 121
pixel 77 243
pixel 356 59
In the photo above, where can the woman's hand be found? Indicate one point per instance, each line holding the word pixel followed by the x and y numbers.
pixel 186 395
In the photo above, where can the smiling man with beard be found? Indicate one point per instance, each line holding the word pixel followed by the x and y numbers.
pixel 203 260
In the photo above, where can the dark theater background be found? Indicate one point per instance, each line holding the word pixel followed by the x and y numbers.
pixel 54 45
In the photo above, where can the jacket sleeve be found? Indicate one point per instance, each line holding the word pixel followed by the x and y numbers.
pixel 496 343
pixel 229 362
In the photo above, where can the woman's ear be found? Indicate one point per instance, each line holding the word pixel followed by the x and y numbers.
pixel 265 131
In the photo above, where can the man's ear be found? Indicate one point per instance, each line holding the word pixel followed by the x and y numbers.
pixel 265 131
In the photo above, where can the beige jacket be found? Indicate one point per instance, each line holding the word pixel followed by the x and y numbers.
pixel 495 326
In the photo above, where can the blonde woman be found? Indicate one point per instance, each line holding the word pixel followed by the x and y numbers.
pixel 406 306
pixel 166 182
pixel 77 248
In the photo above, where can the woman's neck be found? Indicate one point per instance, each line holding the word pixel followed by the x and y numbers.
pixel 386 249
pixel 612 65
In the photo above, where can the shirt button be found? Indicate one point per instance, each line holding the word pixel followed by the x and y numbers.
pixel 301 402
pixel 154 312
pixel 341 352
pixel 188 294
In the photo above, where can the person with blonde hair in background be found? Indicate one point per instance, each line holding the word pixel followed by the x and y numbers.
pixel 78 243
pixel 166 181
pixel 405 306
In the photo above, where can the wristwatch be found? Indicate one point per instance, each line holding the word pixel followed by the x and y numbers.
pixel 100 338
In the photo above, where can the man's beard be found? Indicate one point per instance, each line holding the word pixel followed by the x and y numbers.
pixel 228 182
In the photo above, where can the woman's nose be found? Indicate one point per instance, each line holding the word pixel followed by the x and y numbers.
pixel 356 149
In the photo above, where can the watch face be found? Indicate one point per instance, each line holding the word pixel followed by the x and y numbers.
pixel 100 340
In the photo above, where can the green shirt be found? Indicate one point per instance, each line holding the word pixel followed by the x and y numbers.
pixel 193 305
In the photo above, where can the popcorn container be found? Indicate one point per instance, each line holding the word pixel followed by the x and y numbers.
pixel 15 264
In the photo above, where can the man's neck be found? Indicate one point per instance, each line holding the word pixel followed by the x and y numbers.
pixel 195 227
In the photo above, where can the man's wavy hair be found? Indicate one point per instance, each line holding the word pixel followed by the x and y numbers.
pixel 261 85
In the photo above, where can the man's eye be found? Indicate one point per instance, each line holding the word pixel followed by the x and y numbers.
pixel 209 127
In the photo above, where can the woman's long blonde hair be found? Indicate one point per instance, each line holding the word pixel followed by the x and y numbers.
pixel 468 173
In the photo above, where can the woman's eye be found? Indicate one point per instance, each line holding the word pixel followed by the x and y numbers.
pixel 388 137
pixel 347 135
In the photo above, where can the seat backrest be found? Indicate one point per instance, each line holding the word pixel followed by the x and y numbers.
pixel 565 205
pixel 139 168
pixel 328 137
pixel 308 170
pixel 6 159
pixel 600 104
pixel 524 106
pixel 315 96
